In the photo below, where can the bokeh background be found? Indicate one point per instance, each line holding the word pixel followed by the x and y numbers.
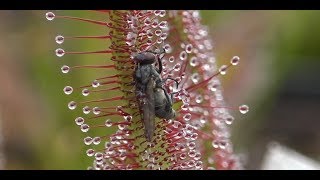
pixel 278 77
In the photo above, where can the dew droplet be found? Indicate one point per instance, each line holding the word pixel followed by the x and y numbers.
pixel 235 60
pixel 158 32
pixel 50 16
pixel 149 34
pixel 72 105
pixel 184 106
pixel 96 110
pixel 68 90
pixel 183 55
pixel 108 123
pixel 229 119
pixel 60 52
pixel 171 59
pixel 187 117
pixel 154 23
pixel 163 24
pixel 84 127
pixel 79 121
pixel 223 144
pixel 215 144
pixel 199 98
pixel 191 145
pixel 198 164
pixel 95 84
pixel 159 41
pixel 65 69
pixel 156 12
pixel 195 77
pixel 90 152
pixel 96 140
pixel 147 21
pixel 86 110
pixel 194 136
pixel 243 109
pixel 223 69
pixel 59 39
pixel 214 85
pixel 121 126
pixel 127 118
pixel 189 48
pixel 194 61
pixel 87 140
pixel 177 67
pixel 85 92
pixel 164 36
pixel 162 13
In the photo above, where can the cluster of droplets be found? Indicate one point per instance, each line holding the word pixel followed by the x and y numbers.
pixel 178 143
pixel 193 65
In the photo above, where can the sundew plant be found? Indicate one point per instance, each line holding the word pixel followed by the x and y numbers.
pixel 198 136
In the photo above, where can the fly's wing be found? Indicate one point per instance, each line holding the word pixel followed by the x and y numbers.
pixel 148 110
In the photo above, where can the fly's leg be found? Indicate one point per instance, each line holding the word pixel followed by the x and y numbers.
pixel 164 80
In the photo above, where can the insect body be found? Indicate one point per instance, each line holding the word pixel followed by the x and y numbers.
pixel 153 99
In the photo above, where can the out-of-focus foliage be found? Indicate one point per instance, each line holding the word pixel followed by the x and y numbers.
pixel 274 46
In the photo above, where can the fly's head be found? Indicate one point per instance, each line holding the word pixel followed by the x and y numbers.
pixel 145 58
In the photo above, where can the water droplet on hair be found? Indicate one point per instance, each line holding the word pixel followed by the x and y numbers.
pixel 243 109
pixel 65 69
pixel 90 152
pixel 79 121
pixel 72 105
pixel 199 98
pixel 215 144
pixel 96 110
pixel 195 77
pixel 50 16
pixel 213 85
pixel 235 60
pixel 191 145
pixel 163 24
pixel 171 59
pixel 108 123
pixel 164 36
pixel 95 84
pixel 96 140
pixel 183 56
pixel 59 52
pixel 158 32
pixel 59 39
pixel 223 69
pixel 223 144
pixel 194 61
pixel 149 34
pixel 84 127
pixel 86 110
pixel 187 117
pixel 154 23
pixel 147 21
pixel 162 13
pixel 85 92
pixel 87 140
pixel 68 90
pixel 229 119
pixel 156 12
pixel 189 48
pixel 177 67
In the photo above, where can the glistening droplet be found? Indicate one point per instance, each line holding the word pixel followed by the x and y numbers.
pixel 243 109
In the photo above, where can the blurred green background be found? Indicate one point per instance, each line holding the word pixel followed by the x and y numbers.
pixel 278 77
